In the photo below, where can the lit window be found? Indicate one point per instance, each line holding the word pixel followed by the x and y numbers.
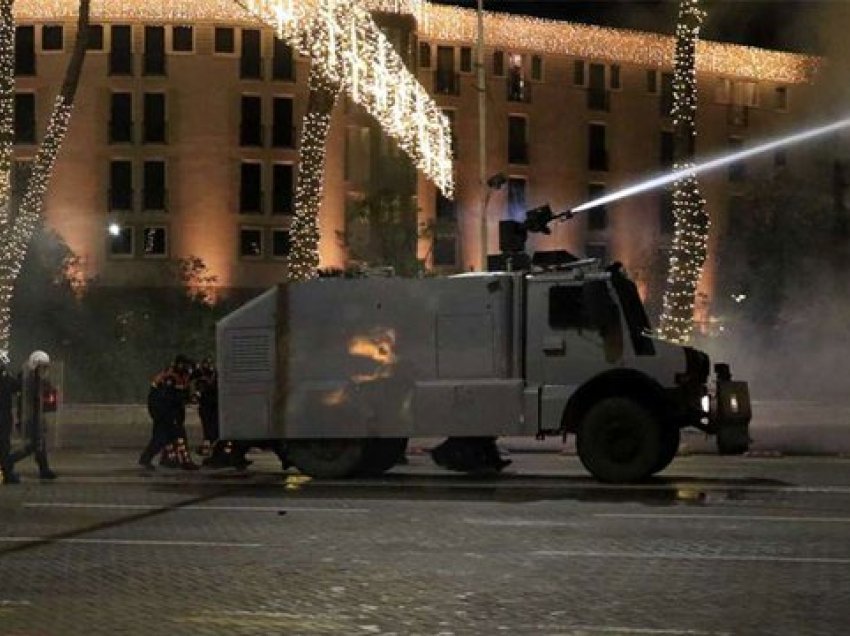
pixel 251 242
pixel 155 241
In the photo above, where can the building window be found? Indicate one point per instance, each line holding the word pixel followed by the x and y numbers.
pixel 95 37
pixel 52 38
pixel 517 139
pixel 283 190
pixel 537 68
pixel 465 59
pixel 251 242
pixel 25 51
pixel 121 242
pixel 424 55
pixel 182 39
pixel 516 198
pixel 250 191
pixel 154 124
pixel 781 98
pixel 614 77
pixel 446 81
pixel 667 149
pixel 652 81
pixel 283 67
pixel 225 40
pixel 597 158
pixel 121 120
pixel 25 118
pixel 598 97
pixel 281 243
pixel 283 132
pixel 251 64
pixel 251 126
pixel 665 104
pixel 121 51
pixel 597 218
pixel 519 90
pixel 498 63
pixel 445 235
pixel 154 241
pixel 121 185
pixel 446 209
pixel 738 169
pixel 579 74
pixel 666 214
pixel 154 186
pixel 154 63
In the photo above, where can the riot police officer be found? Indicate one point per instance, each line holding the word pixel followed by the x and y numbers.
pixel 163 404
pixel 10 386
pixel 35 386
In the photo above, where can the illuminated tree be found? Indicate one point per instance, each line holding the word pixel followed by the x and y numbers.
pixel 17 226
pixel 690 238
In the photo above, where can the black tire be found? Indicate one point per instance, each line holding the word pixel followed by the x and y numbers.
pixel 671 436
pixel 381 454
pixel 326 458
pixel 619 441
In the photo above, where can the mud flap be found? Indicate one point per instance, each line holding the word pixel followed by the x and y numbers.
pixel 732 417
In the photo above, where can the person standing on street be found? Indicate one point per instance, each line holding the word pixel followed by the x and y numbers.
pixel 163 403
pixel 35 387
pixel 10 386
pixel 176 452
pixel 206 388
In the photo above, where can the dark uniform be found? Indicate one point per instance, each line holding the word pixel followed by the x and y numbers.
pixel 206 386
pixel 9 387
pixel 176 453
pixel 35 387
pixel 163 404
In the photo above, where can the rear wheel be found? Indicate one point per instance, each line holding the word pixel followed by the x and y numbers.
pixel 619 441
pixel 381 454
pixel 670 438
pixel 326 458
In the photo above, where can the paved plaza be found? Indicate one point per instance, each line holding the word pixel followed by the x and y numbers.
pixel 715 546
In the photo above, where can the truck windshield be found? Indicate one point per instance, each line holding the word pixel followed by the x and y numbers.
pixel 636 316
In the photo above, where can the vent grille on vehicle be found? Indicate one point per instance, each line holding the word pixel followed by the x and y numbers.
pixel 251 356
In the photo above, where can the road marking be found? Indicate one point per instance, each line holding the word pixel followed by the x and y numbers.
pixel 685 517
pixel 132 542
pixel 110 506
pixel 606 629
pixel 519 523
pixel 8 603
pixel 667 556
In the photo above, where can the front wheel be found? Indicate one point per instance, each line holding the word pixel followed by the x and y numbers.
pixel 619 441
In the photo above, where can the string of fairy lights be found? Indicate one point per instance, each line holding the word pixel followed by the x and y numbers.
pixel 690 235
pixel 7 105
pixel 304 256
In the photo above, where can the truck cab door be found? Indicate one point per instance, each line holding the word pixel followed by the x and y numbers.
pixel 573 334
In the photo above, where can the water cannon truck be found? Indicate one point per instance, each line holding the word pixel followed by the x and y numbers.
pixel 345 371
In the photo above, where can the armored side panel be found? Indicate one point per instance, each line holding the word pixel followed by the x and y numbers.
pixel 247 352
pixel 397 358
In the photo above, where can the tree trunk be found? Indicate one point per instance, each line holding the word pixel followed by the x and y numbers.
pixel 304 256
pixel 690 238
pixel 19 230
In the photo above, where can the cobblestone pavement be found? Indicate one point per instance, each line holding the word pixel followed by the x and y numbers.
pixel 717 546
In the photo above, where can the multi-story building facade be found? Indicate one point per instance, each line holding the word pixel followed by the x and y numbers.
pixel 184 140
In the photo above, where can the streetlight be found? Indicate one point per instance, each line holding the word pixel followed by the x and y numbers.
pixel 114 229
pixel 493 184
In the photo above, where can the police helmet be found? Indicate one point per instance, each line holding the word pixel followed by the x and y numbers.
pixel 38 359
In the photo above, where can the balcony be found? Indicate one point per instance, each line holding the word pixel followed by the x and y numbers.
pixel 738 115
pixel 519 90
pixel 446 83
pixel 598 99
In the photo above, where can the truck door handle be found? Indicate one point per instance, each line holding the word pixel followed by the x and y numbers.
pixel 554 346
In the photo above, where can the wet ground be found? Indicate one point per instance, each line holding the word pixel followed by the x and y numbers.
pixel 715 546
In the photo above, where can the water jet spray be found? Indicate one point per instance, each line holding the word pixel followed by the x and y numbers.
pixel 713 164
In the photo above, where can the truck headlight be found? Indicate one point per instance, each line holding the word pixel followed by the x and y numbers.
pixel 705 402
pixel 733 404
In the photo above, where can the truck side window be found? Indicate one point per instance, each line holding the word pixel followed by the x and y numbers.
pixel 565 308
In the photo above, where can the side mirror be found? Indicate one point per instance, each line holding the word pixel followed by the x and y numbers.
pixel 603 314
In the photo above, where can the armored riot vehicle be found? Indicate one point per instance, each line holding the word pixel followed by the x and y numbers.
pixel 345 371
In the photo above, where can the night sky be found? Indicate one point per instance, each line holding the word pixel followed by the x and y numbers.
pixel 781 24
